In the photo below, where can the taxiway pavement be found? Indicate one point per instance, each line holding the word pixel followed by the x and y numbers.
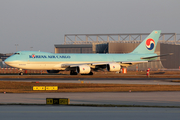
pixel 116 98
pixel 153 81
pixel 87 113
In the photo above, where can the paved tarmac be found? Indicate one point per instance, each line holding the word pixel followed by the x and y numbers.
pixel 153 81
pixel 116 98
pixel 90 76
pixel 87 113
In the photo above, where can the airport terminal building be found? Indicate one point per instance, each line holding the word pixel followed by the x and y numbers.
pixel 124 43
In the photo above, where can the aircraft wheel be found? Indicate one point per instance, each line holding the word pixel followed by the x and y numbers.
pixel 21 73
pixel 91 73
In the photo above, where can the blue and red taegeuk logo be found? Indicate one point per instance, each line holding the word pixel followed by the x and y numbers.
pixel 150 44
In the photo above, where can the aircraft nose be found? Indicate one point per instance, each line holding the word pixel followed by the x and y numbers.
pixel 7 60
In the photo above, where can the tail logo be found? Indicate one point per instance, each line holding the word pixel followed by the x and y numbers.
pixel 150 44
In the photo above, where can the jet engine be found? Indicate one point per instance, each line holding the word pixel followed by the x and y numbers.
pixel 83 69
pixel 53 71
pixel 113 67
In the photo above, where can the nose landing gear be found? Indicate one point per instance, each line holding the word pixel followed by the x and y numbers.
pixel 20 72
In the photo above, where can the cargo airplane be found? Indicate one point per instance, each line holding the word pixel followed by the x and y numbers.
pixel 85 63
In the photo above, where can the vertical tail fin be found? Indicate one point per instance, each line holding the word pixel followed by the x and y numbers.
pixel 149 44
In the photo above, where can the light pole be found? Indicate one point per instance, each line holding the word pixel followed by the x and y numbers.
pixel 31 48
pixel 16 46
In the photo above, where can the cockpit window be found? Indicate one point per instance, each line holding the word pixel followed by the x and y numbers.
pixel 16 53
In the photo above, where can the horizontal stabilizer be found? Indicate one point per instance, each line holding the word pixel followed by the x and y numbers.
pixel 157 56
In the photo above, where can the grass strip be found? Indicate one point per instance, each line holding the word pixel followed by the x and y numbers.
pixel 27 87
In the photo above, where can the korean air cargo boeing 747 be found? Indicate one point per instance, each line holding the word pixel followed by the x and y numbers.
pixel 85 63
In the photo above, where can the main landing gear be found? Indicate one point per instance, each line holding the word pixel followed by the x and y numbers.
pixel 91 73
pixel 72 72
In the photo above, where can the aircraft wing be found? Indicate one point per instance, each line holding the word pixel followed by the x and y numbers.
pixel 133 62
pixel 125 63
pixel 74 65
pixel 88 64
pixel 128 63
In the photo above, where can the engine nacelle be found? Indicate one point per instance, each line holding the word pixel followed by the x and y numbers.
pixel 113 67
pixel 53 71
pixel 83 69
